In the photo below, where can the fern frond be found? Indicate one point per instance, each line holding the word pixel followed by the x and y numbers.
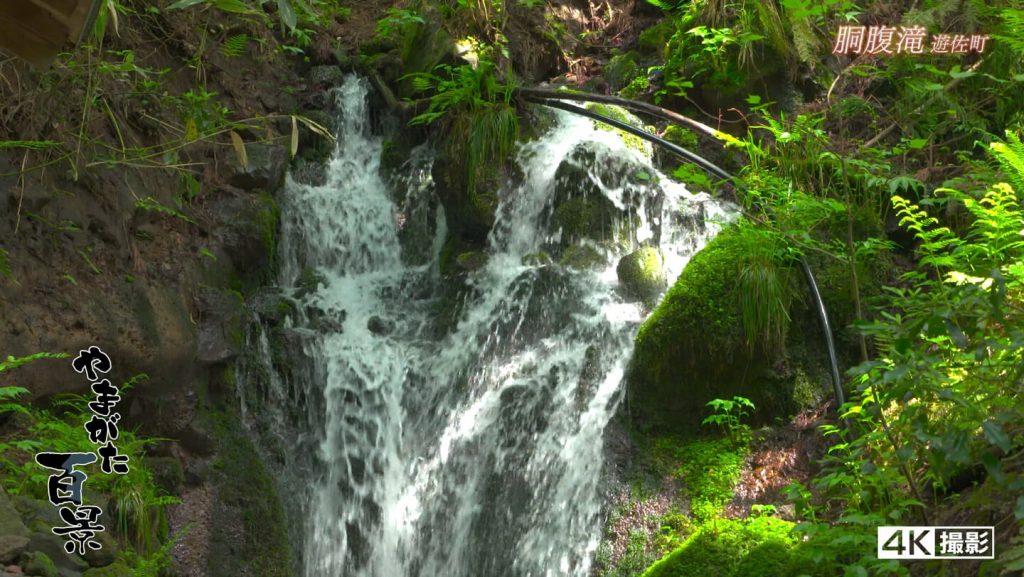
pixel 235 46
pixel 1010 156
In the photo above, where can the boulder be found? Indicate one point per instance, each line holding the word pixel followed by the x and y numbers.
pixel 326 76
pixel 118 569
pixel 10 518
pixel 265 168
pixel 11 547
pixel 641 274
pixel 219 337
pixel 692 349
pixel 107 552
pixel 38 564
pixel 53 547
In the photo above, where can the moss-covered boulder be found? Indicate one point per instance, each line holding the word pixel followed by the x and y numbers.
pixel 641 273
pixel 756 547
pixel 38 564
pixel 622 115
pixel 693 348
pixel 583 210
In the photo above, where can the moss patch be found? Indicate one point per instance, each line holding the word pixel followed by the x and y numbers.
pixel 756 547
pixel 622 115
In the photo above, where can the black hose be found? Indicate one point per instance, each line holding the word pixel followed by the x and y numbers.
pixel 674 148
pixel 837 383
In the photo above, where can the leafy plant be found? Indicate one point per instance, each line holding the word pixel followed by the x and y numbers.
pixel 477 106
pixel 729 414
pixel 943 392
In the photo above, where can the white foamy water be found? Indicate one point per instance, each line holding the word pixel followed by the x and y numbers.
pixel 413 448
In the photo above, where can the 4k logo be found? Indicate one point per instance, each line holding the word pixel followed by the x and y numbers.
pixel 936 543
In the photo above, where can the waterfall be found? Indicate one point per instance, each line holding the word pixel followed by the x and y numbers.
pixel 408 446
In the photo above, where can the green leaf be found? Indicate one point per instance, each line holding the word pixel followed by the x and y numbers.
pixel 995 434
pixel 182 4
pixel 287 13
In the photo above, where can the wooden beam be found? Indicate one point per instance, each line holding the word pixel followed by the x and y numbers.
pixel 53 12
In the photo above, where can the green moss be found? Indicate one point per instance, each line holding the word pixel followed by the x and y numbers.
pixel 653 40
pixel 622 115
pixel 39 565
pixel 247 495
pixel 582 218
pixel 711 469
pixel 692 349
pixel 636 87
pixel 269 216
pixel 539 258
pixel 471 260
pixel 620 70
pixel 756 547
pixel 641 273
pixel 681 136
pixel 116 569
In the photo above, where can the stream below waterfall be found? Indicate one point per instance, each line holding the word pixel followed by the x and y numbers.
pixel 405 445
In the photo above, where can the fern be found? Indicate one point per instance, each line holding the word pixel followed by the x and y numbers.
pixel 1010 156
pixel 1013 24
pixel 235 46
pixel 937 242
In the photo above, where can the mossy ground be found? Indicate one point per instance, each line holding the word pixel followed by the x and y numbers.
pixel 753 547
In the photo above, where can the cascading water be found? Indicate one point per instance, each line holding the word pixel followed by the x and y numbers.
pixel 408 446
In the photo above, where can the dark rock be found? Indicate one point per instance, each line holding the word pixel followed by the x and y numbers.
pixel 53 547
pixel 246 233
pixel 10 518
pixel 471 261
pixel 107 552
pixel 380 326
pixel 197 471
pixel 11 546
pixel 326 76
pixel 219 337
pixel 38 514
pixel 264 170
pixel 309 171
pixel 271 305
pixel 168 473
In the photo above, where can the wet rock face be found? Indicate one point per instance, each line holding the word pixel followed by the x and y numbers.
pixel 469 213
pixel 582 210
pixel 222 316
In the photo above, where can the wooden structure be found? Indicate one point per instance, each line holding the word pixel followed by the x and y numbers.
pixel 38 30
